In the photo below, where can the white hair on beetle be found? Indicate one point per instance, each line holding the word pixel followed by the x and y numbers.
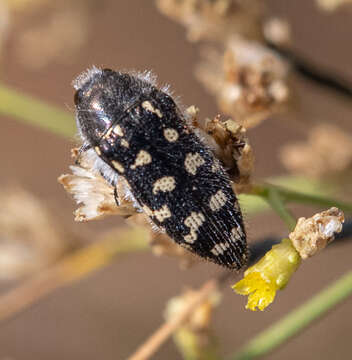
pixel 86 76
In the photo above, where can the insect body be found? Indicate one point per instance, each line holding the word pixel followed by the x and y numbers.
pixel 140 134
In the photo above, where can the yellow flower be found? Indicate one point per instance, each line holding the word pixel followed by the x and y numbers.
pixel 268 275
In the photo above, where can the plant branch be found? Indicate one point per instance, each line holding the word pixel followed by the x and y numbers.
pixel 311 73
pixel 297 320
pixel 276 202
pixel 163 333
pixel 35 112
pixel 288 195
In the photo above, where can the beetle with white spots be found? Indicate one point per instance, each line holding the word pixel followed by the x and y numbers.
pixel 137 132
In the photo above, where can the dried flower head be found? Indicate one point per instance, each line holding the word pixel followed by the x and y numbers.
pixel 331 5
pixel 29 241
pixel 233 149
pixel 195 339
pixel 252 83
pixel 91 190
pixel 314 234
pixel 327 151
pixel 209 19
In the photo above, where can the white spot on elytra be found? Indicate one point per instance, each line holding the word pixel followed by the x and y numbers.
pixel 143 158
pixel 148 106
pixel 171 135
pixel 219 249
pixel 192 162
pixel 118 166
pixel 164 184
pixel 194 222
pixel 215 167
pixel 118 130
pixel 125 143
pixel 237 232
pixel 161 214
pixel 217 201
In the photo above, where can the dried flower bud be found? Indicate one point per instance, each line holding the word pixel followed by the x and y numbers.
pixel 252 84
pixel 209 19
pixel 327 151
pixel 313 234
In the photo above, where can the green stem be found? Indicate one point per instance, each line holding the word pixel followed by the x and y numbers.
pixel 276 202
pixel 35 112
pixel 290 196
pixel 305 198
pixel 297 320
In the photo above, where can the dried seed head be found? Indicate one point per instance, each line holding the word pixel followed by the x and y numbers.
pixel 233 149
pixel 209 19
pixel 313 234
pixel 252 84
pixel 327 151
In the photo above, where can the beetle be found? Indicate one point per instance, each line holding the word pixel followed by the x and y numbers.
pixel 136 131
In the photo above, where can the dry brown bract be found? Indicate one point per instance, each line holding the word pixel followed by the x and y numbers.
pixel 252 83
pixel 313 234
pixel 327 151
pixel 209 19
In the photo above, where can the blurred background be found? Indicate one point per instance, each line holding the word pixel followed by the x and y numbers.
pixel 44 45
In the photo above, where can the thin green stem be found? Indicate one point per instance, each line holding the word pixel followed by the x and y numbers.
pixel 276 202
pixel 303 198
pixel 35 112
pixel 291 196
pixel 297 320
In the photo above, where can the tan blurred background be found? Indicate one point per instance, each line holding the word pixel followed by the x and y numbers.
pixel 107 315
